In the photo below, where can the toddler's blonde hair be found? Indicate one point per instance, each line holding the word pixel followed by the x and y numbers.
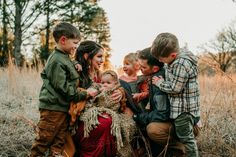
pixel 131 57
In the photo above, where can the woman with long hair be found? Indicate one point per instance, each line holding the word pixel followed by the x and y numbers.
pixel 100 141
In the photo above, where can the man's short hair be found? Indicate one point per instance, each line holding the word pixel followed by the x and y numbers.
pixel 145 54
pixel 67 30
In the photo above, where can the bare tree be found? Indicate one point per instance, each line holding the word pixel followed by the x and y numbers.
pixel 223 49
pixel 23 15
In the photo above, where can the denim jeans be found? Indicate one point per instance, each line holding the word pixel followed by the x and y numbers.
pixel 184 130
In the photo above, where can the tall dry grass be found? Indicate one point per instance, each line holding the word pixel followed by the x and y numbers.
pixel 19 109
pixel 218 115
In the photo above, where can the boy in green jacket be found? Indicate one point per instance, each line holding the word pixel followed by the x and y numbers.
pixel 58 90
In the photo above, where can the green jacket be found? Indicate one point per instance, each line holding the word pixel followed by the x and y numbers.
pixel 59 83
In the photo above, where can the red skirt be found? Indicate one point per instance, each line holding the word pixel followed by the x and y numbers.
pixel 100 142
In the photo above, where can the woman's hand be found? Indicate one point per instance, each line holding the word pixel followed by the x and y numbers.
pixel 117 96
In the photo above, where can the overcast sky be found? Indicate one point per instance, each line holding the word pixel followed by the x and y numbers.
pixel 135 23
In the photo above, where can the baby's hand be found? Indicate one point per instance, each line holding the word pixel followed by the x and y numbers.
pixel 136 97
pixel 103 89
pixel 156 79
pixel 92 91
pixel 78 67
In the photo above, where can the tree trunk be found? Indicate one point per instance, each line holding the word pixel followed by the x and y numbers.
pixel 4 36
pixel 47 26
pixel 18 34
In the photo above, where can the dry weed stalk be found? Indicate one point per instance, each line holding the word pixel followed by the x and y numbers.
pixel 11 75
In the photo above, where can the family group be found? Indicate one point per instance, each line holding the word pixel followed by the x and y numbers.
pixel 87 112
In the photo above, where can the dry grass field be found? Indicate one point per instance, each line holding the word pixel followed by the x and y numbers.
pixel 19 113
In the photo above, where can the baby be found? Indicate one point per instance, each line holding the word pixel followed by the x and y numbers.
pixel 109 83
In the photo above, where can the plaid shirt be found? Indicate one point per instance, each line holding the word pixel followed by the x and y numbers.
pixel 181 84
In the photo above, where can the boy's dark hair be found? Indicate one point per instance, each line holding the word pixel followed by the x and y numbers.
pixel 67 30
pixel 164 45
pixel 151 60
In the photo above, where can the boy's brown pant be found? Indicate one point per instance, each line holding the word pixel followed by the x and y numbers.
pixel 160 132
pixel 69 147
pixel 51 134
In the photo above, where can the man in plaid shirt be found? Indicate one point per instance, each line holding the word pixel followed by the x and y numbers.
pixel 182 87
